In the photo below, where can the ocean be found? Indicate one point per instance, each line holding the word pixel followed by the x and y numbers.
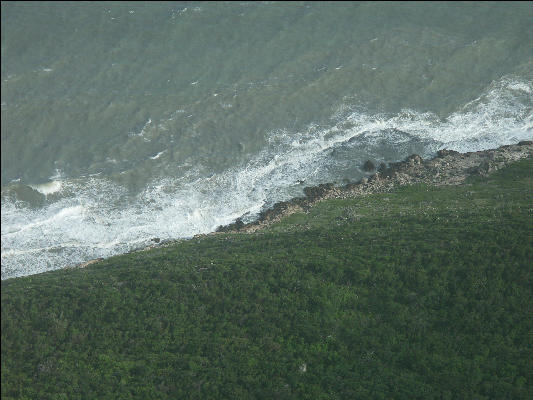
pixel 122 122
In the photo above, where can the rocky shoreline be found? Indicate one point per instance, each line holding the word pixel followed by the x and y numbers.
pixel 448 167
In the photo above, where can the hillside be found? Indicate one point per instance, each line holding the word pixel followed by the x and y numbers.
pixel 370 291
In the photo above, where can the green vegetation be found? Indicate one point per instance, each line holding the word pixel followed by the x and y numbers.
pixel 421 293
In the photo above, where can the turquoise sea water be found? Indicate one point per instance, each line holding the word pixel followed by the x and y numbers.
pixel 125 121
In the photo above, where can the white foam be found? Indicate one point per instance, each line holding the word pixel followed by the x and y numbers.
pixel 48 188
pixel 57 175
pixel 158 155
pixel 495 118
pixel 89 224
pixel 523 86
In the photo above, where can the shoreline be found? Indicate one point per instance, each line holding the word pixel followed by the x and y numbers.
pixel 447 167
pixel 396 282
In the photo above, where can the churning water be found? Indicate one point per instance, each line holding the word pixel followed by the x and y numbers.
pixel 122 122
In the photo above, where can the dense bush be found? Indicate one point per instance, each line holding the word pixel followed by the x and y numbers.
pixel 421 293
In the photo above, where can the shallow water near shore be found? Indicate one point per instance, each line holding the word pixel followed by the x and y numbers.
pixel 131 121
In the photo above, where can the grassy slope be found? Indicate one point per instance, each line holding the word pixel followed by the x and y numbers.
pixel 421 293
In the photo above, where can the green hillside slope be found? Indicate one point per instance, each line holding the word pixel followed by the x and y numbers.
pixel 425 292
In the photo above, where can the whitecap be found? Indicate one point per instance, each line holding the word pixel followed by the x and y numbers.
pixel 158 155
pixel 48 188
pixel 94 222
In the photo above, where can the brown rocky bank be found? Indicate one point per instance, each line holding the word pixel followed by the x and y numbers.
pixel 448 167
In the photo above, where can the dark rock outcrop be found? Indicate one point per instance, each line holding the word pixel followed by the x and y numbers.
pixel 448 167
pixel 314 192
pixel 235 226
pixel 414 159
pixel 382 167
pixel 444 152
pixel 369 166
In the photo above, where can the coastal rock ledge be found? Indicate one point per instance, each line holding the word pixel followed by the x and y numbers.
pixel 448 167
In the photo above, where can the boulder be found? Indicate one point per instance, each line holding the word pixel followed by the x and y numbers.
pixel 275 210
pixel 369 166
pixel 238 224
pixel 315 192
pixel 444 152
pixel 374 178
pixel 235 226
pixel 414 159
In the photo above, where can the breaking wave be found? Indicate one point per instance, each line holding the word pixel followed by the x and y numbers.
pixel 69 221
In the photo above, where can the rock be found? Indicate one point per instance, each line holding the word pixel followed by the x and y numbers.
pixel 276 209
pixel 395 168
pixel 449 167
pixel 315 192
pixel 414 159
pixel 369 166
pixel 525 142
pixel 83 265
pixel 238 224
pixel 156 240
pixel 392 170
pixel 235 226
pixel 374 178
pixel 444 152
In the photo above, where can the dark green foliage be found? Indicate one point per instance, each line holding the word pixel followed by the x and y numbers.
pixel 421 293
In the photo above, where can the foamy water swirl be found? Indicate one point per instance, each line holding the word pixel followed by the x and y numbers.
pixel 89 218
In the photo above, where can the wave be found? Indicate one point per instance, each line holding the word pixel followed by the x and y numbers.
pixel 93 217
pixel 48 188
